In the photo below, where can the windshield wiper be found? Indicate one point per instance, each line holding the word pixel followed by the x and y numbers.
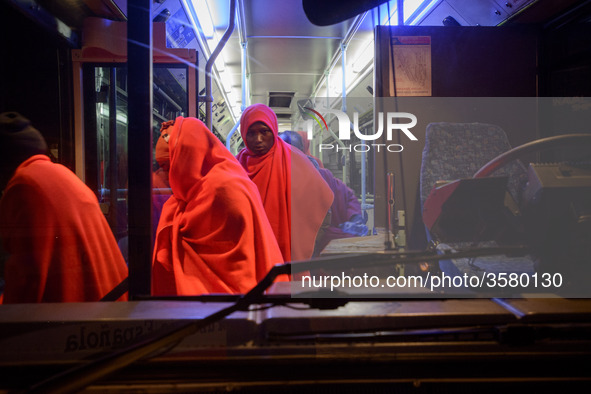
pixel 77 378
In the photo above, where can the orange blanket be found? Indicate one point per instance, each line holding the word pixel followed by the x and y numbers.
pixel 61 247
pixel 213 235
pixel 295 196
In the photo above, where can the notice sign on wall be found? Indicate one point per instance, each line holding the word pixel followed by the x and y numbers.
pixel 412 66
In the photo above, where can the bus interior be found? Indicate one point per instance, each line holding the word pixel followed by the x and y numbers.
pixel 402 100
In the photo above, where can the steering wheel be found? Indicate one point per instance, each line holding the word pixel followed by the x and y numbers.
pixel 531 147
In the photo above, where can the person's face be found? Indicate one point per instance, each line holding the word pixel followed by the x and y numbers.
pixel 259 138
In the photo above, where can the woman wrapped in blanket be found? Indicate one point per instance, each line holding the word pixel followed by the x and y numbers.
pixel 213 235
pixel 60 246
pixel 296 198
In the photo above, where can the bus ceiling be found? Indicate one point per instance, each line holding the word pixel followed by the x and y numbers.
pixel 282 52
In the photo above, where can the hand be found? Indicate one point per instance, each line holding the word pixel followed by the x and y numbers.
pixel 352 228
pixel 356 218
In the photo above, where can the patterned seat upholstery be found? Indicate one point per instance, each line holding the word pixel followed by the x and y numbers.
pixel 457 150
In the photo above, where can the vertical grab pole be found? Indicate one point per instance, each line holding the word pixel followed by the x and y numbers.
pixel 113 157
pixel 344 97
pixel 400 6
pixel 211 61
pixel 243 104
pixel 244 82
pixel 139 49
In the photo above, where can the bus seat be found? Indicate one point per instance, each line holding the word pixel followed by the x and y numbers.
pixel 455 151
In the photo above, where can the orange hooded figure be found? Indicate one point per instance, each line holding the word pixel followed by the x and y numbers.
pixel 60 246
pixel 213 235
pixel 162 156
pixel 295 196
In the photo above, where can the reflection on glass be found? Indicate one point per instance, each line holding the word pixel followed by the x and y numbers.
pixel 170 99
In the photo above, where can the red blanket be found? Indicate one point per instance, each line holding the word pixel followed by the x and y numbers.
pixel 61 247
pixel 213 235
pixel 295 196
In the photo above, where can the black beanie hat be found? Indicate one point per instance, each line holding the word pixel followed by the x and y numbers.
pixel 18 137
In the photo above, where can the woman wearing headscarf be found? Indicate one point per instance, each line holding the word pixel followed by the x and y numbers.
pixel 213 235
pixel 294 195
pixel 60 246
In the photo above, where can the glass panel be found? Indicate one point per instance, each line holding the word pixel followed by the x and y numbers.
pixel 111 134
pixel 170 99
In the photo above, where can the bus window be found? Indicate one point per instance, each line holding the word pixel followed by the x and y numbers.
pixel 106 133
